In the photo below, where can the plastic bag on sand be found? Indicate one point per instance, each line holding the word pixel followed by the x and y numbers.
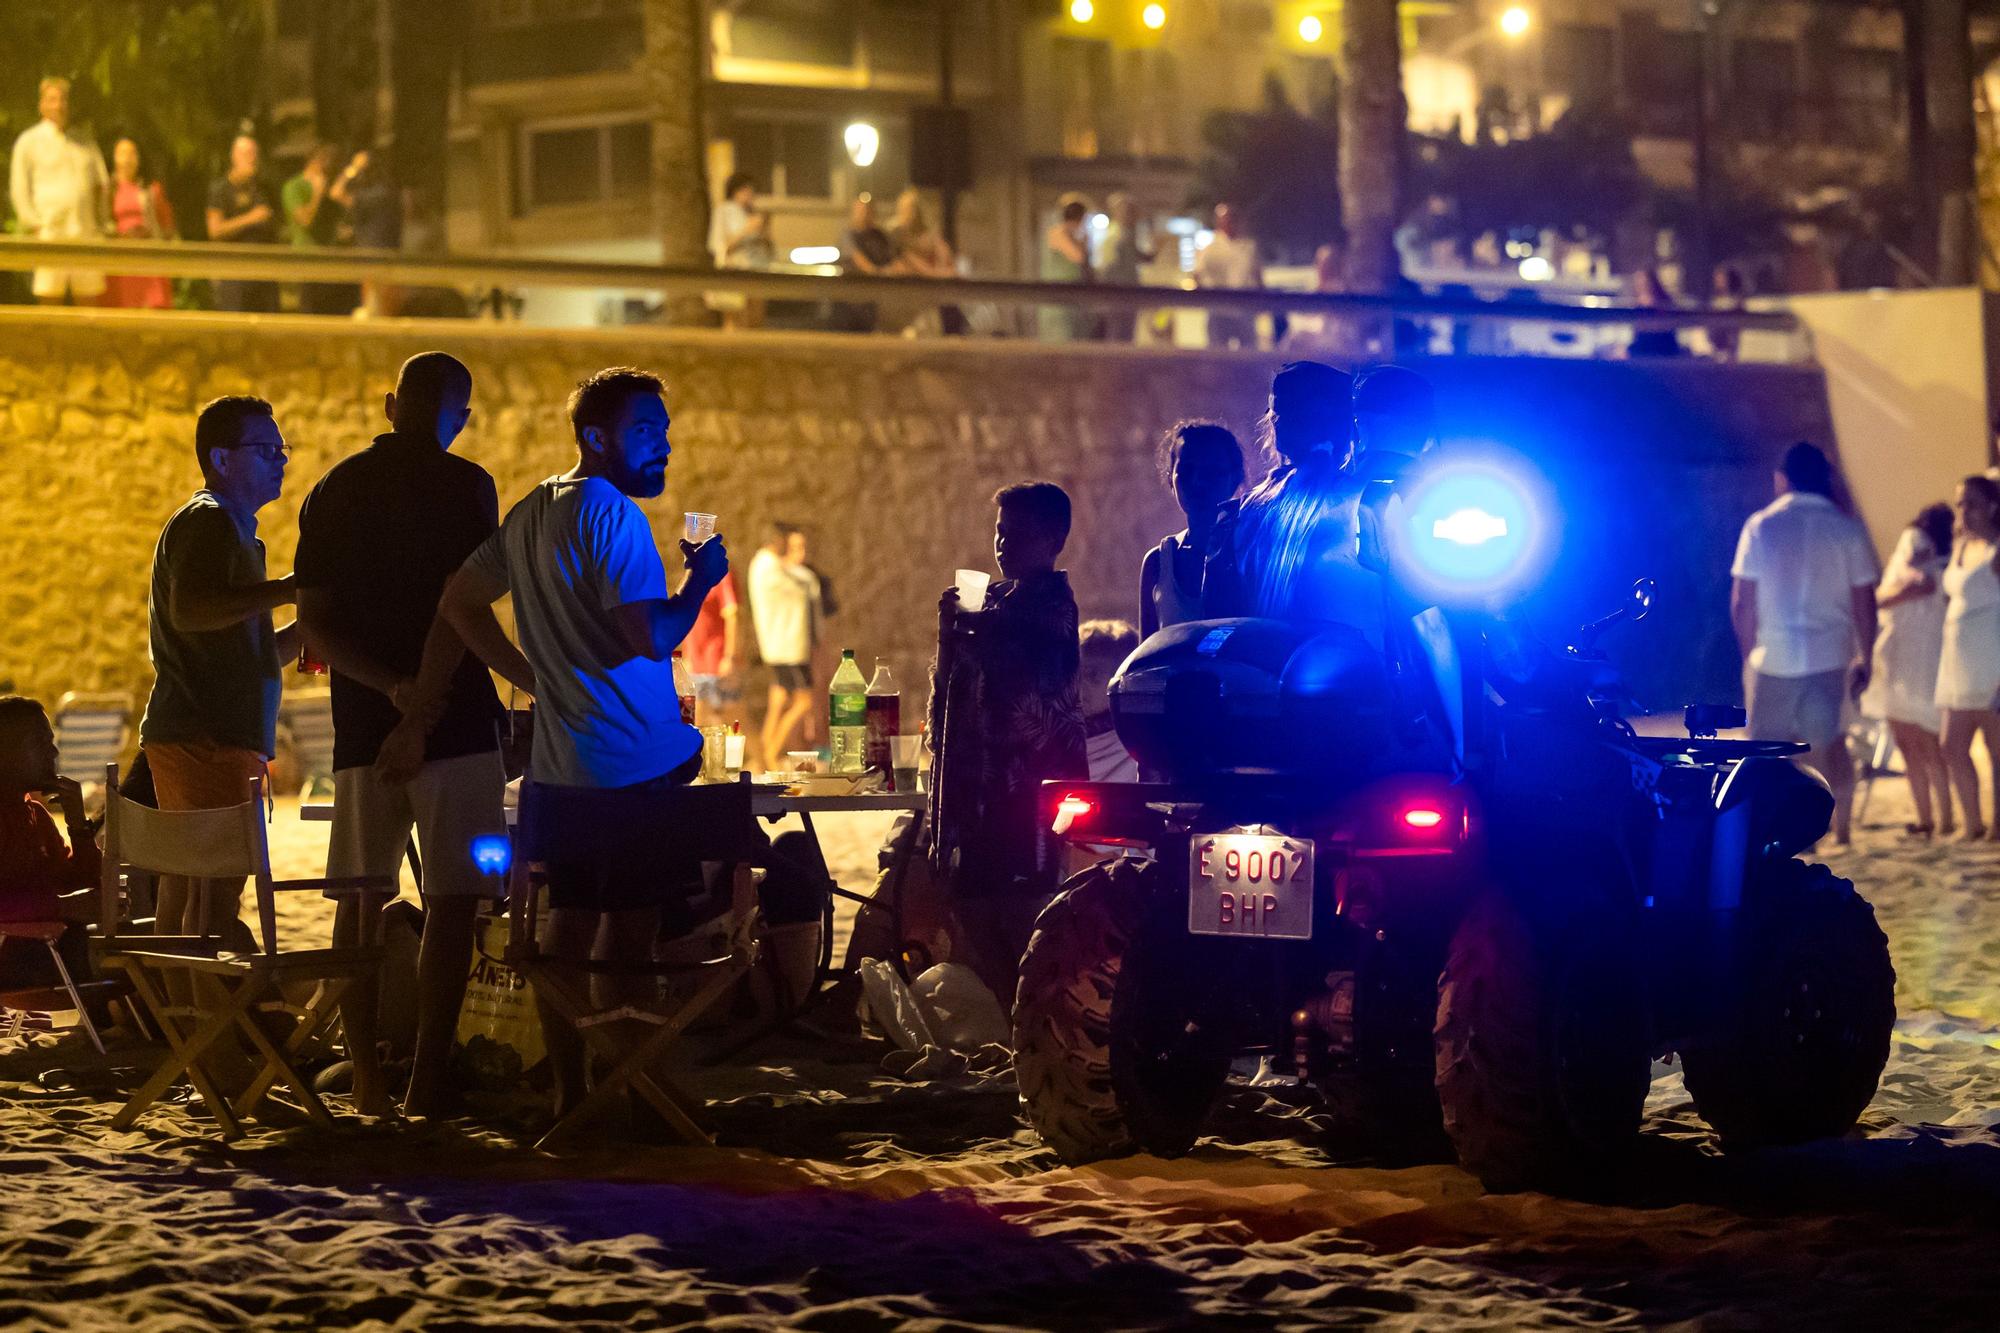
pixel 893 1010
pixel 963 1014
pixel 950 1006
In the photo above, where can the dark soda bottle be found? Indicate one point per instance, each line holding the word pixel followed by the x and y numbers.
pixel 885 720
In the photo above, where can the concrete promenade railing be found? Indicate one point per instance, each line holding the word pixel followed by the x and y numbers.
pixel 203 259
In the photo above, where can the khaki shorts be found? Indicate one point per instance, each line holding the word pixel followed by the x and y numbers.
pixel 82 284
pixel 449 802
pixel 1797 708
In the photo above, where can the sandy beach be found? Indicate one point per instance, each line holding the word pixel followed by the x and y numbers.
pixel 845 1199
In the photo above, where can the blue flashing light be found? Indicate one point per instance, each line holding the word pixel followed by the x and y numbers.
pixel 1471 530
pixel 493 853
pixel 1469 527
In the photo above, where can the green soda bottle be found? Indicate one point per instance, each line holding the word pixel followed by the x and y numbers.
pixel 847 715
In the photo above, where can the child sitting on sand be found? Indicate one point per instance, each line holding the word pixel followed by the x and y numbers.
pixel 1004 719
pixel 42 876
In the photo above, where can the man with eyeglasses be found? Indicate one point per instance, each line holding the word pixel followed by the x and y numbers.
pixel 211 722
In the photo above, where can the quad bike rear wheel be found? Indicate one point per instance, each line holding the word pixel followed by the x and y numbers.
pixel 1116 1048
pixel 1540 1048
pixel 1802 1048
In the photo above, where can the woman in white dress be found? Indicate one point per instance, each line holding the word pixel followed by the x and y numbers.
pixel 1202 464
pixel 1969 665
pixel 1902 687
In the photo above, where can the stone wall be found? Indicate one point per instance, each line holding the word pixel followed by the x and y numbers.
pixel 887 450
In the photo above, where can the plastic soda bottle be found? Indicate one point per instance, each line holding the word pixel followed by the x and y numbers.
pixel 847 715
pixel 684 687
pixel 885 720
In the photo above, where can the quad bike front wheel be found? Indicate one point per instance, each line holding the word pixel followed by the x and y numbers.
pixel 1801 1049
pixel 1540 1049
pixel 1114 1048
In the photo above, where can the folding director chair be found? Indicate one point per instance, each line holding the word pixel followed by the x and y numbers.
pixel 712 824
pixel 231 991
pixel 68 993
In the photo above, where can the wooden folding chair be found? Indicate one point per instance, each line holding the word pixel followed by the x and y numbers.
pixel 713 824
pixel 231 990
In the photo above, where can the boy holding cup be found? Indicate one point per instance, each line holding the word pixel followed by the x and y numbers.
pixel 1005 718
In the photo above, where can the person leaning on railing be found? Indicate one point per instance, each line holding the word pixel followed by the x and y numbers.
pixel 241 208
pixel 739 237
pixel 140 210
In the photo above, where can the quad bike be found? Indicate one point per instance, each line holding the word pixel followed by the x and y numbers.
pixel 1469 905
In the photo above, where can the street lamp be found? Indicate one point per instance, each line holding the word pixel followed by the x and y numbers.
pixel 1513 24
pixel 1154 17
pixel 863 141
pixel 1311 29
pixel 1082 10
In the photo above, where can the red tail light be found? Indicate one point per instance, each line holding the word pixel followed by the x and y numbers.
pixel 1423 817
pixel 1071 809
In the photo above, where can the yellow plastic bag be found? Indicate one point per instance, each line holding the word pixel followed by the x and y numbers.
pixel 498 1024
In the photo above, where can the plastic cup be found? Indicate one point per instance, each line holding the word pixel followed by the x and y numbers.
pixel 905 756
pixel 714 754
pixel 732 752
pixel 971 585
pixel 803 761
pixel 700 527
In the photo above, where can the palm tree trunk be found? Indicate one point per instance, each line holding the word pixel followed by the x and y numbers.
pixel 675 65
pixel 428 40
pixel 344 72
pixel 1372 121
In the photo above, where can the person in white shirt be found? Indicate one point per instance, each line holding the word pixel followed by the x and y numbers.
pixel 739 236
pixel 784 610
pixel 1902 686
pixel 1229 262
pixel 597 628
pixel 1968 677
pixel 1803 607
pixel 61 192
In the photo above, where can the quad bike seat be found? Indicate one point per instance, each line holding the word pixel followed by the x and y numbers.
pixel 1257 696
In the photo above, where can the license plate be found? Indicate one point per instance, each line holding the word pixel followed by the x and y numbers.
pixel 1252 885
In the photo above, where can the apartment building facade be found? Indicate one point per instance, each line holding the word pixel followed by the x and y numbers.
pixel 552 123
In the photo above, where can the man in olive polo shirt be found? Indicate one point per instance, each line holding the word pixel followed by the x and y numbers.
pixel 211 721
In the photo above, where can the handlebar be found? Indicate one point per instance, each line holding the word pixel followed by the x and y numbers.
pixel 1701 747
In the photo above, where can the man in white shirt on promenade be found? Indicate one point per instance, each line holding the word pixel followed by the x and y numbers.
pixel 1229 262
pixel 61 192
pixel 1803 607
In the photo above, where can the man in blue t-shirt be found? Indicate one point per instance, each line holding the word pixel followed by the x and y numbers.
pixel 598 629
pixel 378 538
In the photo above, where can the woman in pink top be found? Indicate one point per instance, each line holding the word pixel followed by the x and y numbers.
pixel 140 211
